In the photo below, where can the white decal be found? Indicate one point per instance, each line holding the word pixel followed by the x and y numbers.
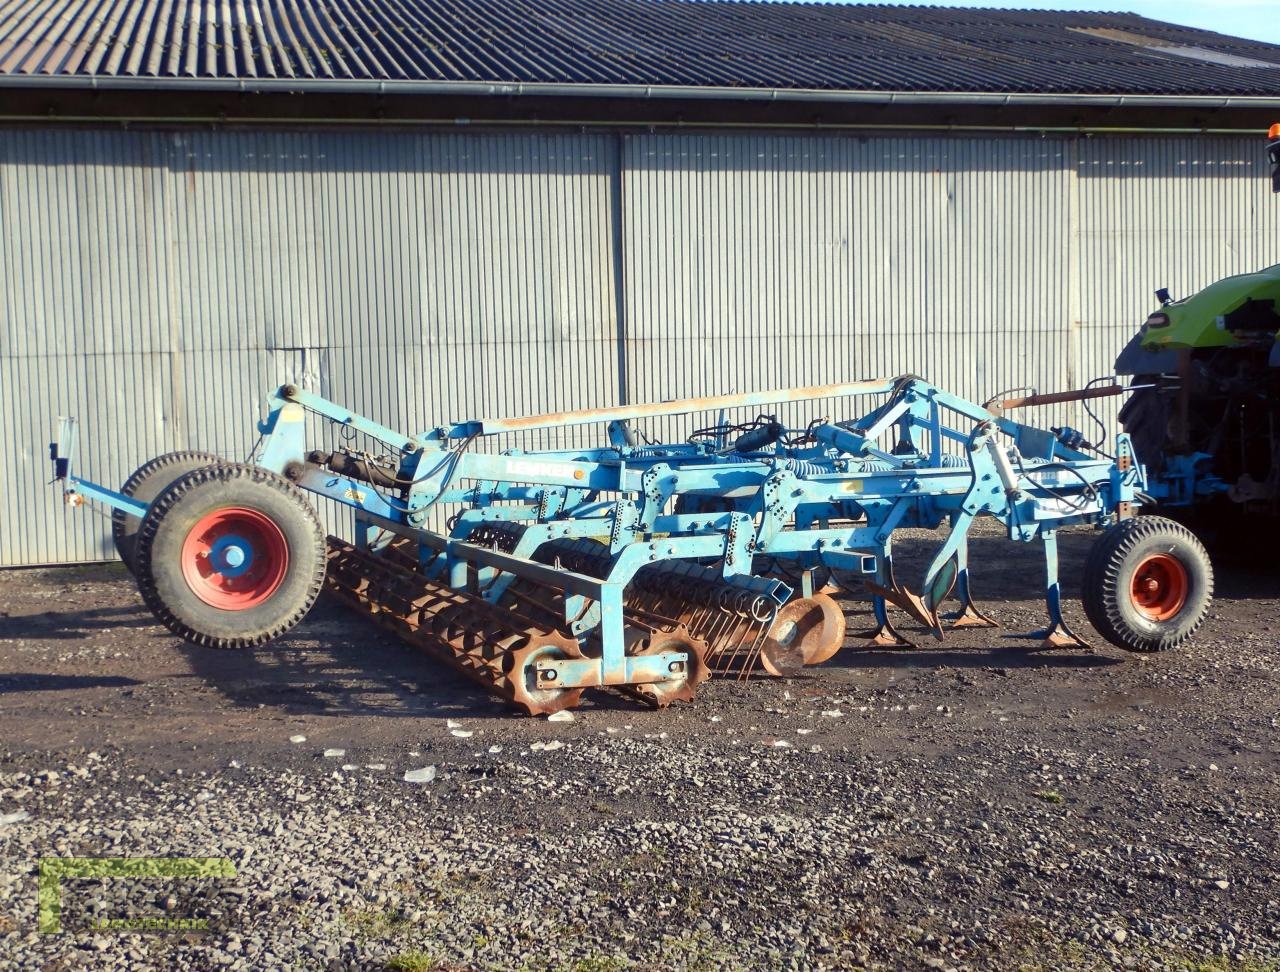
pixel 542 470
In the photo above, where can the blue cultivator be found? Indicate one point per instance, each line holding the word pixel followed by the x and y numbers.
pixel 642 567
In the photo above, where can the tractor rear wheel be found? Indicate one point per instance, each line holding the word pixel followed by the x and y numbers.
pixel 230 556
pixel 1147 584
pixel 147 482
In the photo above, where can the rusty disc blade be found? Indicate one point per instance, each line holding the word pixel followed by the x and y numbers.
pixel 833 630
pixel 783 651
pixel 806 631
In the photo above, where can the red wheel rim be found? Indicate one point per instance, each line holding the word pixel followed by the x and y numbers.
pixel 235 558
pixel 1159 587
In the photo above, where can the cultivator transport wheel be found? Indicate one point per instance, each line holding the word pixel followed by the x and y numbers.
pixel 1147 584
pixel 147 482
pixel 230 556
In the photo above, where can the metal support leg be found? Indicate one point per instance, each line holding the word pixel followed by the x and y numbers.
pixel 613 660
pixel 1057 635
pixel 884 634
pixel 968 616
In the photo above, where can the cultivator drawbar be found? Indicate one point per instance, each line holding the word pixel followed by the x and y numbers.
pixel 643 568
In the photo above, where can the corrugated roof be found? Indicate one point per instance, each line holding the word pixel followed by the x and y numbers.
pixel 698 43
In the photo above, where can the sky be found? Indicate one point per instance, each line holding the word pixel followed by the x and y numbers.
pixel 1256 19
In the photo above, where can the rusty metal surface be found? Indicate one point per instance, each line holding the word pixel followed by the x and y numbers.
pixel 657 641
pixel 740 631
pixel 493 646
pixel 498 644
pixel 999 406
pixel 904 598
pixel 829 639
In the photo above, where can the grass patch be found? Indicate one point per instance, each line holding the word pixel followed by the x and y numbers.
pixel 375 922
pixel 413 961
pixel 1225 964
pixel 599 963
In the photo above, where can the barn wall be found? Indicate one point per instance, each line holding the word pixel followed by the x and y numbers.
pixel 156 284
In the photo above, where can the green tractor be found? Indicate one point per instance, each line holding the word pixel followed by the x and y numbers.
pixel 1205 411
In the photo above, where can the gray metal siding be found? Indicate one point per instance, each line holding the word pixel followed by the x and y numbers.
pixel 799 260
pixel 733 47
pixel 157 284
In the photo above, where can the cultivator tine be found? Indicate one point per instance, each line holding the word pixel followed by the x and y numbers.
pixel 1057 634
pixel 913 604
pixel 884 634
pixel 968 616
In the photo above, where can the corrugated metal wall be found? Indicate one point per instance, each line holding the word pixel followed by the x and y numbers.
pixel 156 284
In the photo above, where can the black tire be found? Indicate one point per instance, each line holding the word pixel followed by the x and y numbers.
pixel 1145 416
pixel 147 482
pixel 1111 602
pixel 281 514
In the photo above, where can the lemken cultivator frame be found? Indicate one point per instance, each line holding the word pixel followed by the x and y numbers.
pixel 643 567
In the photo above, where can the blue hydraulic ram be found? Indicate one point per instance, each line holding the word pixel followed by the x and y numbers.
pixel 643 567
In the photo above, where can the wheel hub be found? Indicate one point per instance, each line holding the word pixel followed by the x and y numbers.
pixel 234 558
pixel 1159 587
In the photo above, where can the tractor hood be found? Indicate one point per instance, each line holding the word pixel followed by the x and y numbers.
pixel 1218 316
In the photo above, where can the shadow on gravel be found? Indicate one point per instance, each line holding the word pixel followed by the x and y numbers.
pixel 335 663
pixel 925 657
pixel 70 624
pixel 40 682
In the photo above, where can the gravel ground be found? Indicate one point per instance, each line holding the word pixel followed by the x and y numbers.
pixel 972 805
